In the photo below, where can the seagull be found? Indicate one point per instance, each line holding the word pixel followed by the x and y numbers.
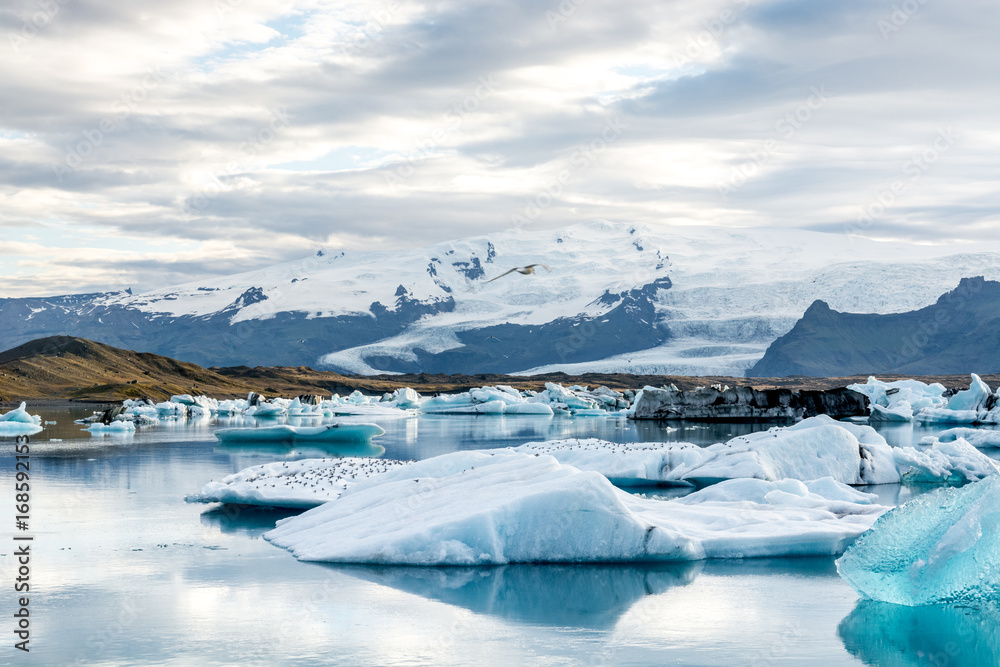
pixel 523 270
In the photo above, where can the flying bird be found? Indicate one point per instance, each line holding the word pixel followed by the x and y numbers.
pixel 523 270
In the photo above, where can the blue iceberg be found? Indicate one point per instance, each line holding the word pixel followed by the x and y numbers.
pixel 940 547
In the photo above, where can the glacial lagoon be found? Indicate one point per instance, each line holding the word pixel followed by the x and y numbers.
pixel 125 572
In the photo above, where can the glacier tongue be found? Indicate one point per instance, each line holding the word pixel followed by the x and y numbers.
pixel 940 547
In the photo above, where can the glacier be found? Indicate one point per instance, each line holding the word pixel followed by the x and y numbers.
pixel 940 547
pixel 692 301
pixel 534 509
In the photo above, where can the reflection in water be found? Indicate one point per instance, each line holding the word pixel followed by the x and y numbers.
pixel 251 520
pixel 313 450
pixel 591 596
pixel 881 633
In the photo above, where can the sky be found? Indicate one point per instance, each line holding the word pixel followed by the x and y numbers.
pixel 150 143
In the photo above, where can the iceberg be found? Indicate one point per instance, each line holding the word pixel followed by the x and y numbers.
pixel 813 448
pixel 981 438
pixel 897 401
pixel 113 427
pixel 533 509
pixel 504 399
pixel 626 464
pixel 303 483
pixel 19 422
pixel 283 433
pixel 953 462
pixel 940 547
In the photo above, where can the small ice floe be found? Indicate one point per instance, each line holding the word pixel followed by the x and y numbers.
pixel 19 422
pixel 285 434
pixel 112 427
pixel 940 547
pixel 304 483
pixel 952 462
pixel 977 437
pixel 506 400
pixel 912 400
pixel 532 509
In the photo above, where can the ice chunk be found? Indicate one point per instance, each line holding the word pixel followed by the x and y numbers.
pixel 943 546
pixel 113 427
pixel 283 433
pixel 973 398
pixel 534 509
pixel 19 422
pixel 826 493
pixel 954 462
pixel 814 448
pixel 897 401
pixel 304 483
pixel 977 437
pixel 946 416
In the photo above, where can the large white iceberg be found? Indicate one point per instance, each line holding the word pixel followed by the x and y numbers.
pixel 533 509
pixel 19 422
pixel 943 546
pixel 304 483
pixel 504 399
pixel 907 400
pixel 952 462
pixel 813 448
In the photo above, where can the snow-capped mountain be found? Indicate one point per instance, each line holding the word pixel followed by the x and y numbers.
pixel 617 298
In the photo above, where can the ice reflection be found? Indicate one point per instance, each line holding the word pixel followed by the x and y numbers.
pixel 880 633
pixel 590 596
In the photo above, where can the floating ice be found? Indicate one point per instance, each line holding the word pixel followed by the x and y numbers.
pixel 534 509
pixel 897 401
pixel 625 464
pixel 283 433
pixel 113 427
pixel 814 448
pixel 953 462
pixel 982 438
pixel 503 399
pixel 943 546
pixel 19 422
pixel 304 483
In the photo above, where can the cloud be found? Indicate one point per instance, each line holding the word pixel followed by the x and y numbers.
pixel 210 137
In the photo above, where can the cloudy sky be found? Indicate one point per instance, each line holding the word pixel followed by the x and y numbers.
pixel 149 143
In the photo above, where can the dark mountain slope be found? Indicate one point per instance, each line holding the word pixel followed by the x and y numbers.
pixel 958 334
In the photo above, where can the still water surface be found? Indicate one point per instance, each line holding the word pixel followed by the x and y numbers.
pixel 123 571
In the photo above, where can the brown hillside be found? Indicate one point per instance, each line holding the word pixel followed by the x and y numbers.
pixel 66 367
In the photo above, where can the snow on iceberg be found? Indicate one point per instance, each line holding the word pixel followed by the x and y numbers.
pixel 534 509
pixel 952 462
pixel 113 427
pixel 943 546
pixel 625 464
pixel 814 448
pixel 304 483
pixel 981 438
pixel 19 422
pixel 283 433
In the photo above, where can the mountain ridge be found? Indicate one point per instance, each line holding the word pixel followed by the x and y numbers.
pixel 619 298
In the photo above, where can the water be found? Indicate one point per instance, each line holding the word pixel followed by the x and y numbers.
pixel 123 571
